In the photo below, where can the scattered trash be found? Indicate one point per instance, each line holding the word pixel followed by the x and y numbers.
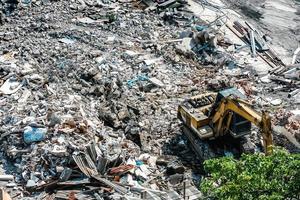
pixel 156 82
pixel 162 5
pixel 86 20
pixel 10 86
pixel 30 183
pixel 276 102
pixel 296 52
pixel 131 82
pixel 34 134
pixel 67 41
pixel 6 177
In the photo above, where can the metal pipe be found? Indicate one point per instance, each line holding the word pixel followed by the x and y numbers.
pixel 253 46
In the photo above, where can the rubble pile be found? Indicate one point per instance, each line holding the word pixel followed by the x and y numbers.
pixel 89 91
pixel 82 96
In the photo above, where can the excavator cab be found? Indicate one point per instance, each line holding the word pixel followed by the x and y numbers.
pixel 239 126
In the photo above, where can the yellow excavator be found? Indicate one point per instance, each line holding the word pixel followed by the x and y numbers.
pixel 213 115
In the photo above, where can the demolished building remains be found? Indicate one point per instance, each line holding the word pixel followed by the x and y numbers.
pixel 89 91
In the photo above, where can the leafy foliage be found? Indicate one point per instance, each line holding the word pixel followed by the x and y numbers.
pixel 253 176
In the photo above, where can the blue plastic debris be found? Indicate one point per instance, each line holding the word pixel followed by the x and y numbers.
pixel 26 2
pixel 139 162
pixel 205 46
pixel 131 82
pixel 33 134
pixel 200 28
pixel 231 65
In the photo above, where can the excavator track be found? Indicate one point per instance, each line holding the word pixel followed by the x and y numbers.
pixel 200 147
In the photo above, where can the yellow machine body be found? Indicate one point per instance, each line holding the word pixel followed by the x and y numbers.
pixel 209 119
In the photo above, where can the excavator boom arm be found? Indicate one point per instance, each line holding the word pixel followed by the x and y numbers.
pixel 228 106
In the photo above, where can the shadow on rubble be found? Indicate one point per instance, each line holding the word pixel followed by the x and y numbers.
pixel 9 6
pixel 248 8
pixel 182 148
pixel 7 165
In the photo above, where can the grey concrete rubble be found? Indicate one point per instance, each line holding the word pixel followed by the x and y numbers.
pixel 89 91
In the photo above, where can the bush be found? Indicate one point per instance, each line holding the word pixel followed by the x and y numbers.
pixel 253 176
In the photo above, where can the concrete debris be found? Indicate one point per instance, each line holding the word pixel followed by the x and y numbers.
pixel 6 177
pixel 297 51
pixel 89 91
pixel 275 102
pixel 10 86
pixel 293 73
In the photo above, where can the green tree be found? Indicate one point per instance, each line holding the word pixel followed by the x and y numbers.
pixel 253 176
